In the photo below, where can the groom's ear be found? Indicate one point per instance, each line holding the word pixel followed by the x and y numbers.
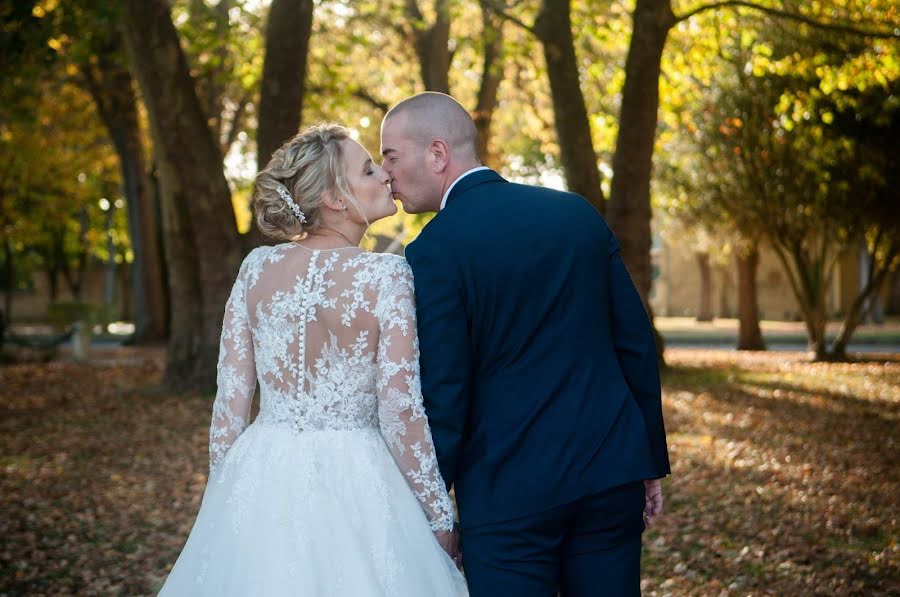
pixel 440 155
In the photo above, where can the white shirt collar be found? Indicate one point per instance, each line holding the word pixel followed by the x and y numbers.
pixel 463 175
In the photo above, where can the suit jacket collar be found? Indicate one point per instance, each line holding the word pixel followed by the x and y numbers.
pixel 471 181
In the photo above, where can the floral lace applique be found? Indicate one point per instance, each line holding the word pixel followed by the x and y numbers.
pixel 332 342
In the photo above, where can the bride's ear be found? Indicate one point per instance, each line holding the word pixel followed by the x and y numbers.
pixel 330 200
pixel 439 152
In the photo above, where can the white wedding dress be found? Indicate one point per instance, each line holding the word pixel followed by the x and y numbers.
pixel 334 489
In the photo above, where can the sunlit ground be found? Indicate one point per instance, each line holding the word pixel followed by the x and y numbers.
pixel 785 476
pixel 675 325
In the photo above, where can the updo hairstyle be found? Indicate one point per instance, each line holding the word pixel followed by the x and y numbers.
pixel 308 166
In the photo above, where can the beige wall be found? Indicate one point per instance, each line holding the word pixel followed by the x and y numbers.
pixel 677 288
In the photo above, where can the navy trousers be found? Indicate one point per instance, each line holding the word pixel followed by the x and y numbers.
pixel 590 547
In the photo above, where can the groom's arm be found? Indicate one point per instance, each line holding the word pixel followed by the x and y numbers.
pixel 444 347
pixel 636 351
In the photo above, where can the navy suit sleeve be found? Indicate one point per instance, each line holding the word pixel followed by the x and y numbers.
pixel 636 351
pixel 445 350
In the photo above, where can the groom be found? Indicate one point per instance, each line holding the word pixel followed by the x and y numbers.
pixel 538 363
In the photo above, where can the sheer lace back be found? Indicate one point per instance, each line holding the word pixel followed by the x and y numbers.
pixel 330 336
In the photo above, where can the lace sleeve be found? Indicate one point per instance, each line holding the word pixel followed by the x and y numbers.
pixel 400 411
pixel 236 375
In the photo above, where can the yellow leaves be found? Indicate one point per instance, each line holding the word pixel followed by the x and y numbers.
pixel 59 43
pixel 42 9
pixel 731 126
pixel 763 50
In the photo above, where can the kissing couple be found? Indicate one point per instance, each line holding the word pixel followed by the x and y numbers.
pixel 507 356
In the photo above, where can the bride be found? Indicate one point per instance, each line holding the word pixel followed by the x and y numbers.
pixel 334 489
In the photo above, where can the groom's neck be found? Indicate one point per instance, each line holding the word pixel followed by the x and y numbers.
pixel 461 168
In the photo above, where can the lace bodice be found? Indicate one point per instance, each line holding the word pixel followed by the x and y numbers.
pixel 330 335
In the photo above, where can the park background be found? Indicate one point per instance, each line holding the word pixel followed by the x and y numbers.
pixel 744 152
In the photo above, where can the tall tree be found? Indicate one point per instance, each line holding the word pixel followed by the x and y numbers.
pixel 806 166
pixel 107 78
pixel 431 41
pixel 288 32
pixel 553 27
pixel 491 77
pixel 630 209
pixel 203 250
pixel 704 309
pixel 749 333
pixel 86 41
pixel 629 205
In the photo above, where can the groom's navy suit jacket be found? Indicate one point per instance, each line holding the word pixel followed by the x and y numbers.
pixel 539 368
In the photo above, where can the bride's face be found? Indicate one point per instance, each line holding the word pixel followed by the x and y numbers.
pixel 369 183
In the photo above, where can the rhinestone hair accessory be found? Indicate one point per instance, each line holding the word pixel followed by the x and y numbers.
pixel 282 190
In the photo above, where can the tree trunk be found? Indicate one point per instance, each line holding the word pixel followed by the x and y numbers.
pixel 74 279
pixel 808 282
pixel 704 312
pixel 432 45
pixel 491 76
pixel 282 87
pixel 210 85
pixel 112 89
pixel 284 75
pixel 749 333
pixel 812 283
pixel 193 180
pixel 629 205
pixel 816 320
pixel 185 335
pixel 573 129
pixel 893 302
pixel 629 209
pixel 725 292
pixel 864 302
pixel 9 281
pixel 52 273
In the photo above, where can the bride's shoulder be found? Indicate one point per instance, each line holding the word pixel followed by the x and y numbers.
pixel 384 268
pixel 257 257
pixel 394 265
pixel 255 261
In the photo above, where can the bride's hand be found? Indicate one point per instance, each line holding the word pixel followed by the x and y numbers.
pixel 449 542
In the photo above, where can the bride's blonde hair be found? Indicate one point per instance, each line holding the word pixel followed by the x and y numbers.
pixel 309 166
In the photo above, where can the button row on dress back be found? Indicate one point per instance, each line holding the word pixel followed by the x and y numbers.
pixel 304 307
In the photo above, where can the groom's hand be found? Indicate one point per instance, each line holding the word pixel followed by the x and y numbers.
pixel 653 504
pixel 449 542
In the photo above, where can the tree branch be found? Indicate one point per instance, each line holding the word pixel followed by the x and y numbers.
pixel 498 9
pixel 783 14
pixel 371 100
pixel 234 127
pixel 411 7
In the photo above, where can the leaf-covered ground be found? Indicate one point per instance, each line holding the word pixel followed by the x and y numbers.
pixel 786 476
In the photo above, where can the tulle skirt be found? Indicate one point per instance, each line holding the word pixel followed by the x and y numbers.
pixel 312 513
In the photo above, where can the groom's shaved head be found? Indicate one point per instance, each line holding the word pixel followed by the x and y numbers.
pixel 433 115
